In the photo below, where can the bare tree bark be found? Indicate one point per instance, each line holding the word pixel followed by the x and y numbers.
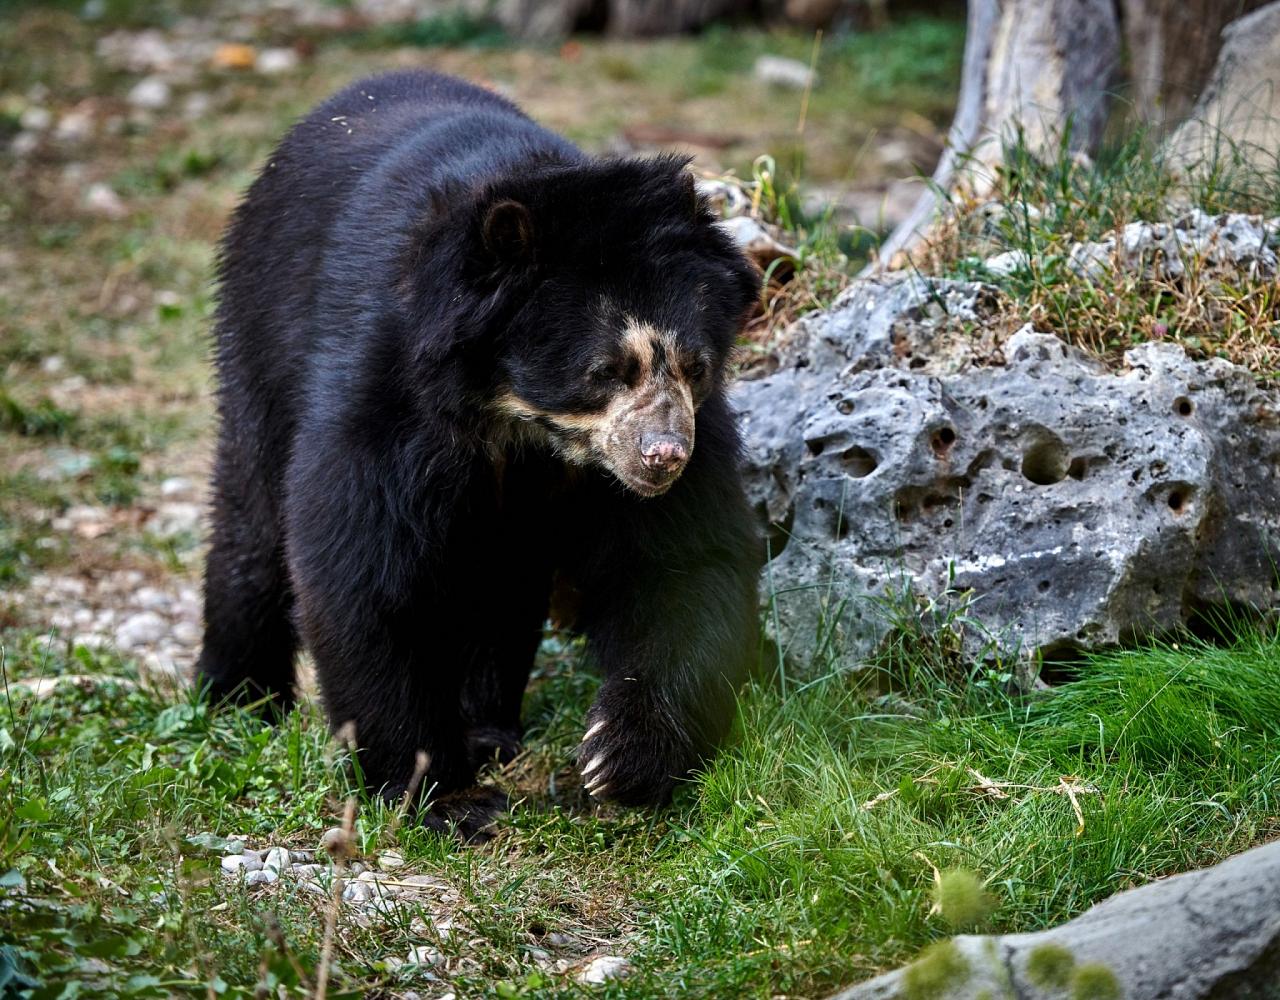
pixel 1172 46
pixel 1044 67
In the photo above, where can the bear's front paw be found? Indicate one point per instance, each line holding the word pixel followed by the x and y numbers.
pixel 635 749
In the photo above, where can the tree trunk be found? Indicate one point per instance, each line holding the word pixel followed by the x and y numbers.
pixel 1043 67
pixel 1172 47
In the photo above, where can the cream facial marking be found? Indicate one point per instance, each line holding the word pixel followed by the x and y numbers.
pixel 643 433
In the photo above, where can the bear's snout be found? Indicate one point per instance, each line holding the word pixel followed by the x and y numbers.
pixel 665 453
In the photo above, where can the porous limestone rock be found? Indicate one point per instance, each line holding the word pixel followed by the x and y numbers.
pixel 1211 934
pixel 903 445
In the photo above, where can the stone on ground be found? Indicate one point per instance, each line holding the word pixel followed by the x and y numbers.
pixel 1213 933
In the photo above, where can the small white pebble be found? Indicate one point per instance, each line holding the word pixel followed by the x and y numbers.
pixel 423 954
pixel 336 842
pixel 151 93
pixel 35 119
pixel 357 892
pixel 390 860
pixel 604 968
pixel 264 876
pixel 234 863
pixel 273 61
pixel 187 633
pixel 140 630
pixel 175 486
pixel 101 200
pixel 151 598
pixel 277 859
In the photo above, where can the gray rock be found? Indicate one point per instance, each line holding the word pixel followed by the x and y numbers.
pixel 263 876
pixel 35 118
pixel 141 629
pixel 602 969
pixel 1213 933
pixel 275 61
pixel 277 860
pixel 779 71
pixel 1158 251
pixel 902 448
pixel 1237 118
pixel 756 240
pixel 101 200
pixel 176 486
pixel 423 954
pixel 152 599
pixel 235 863
pixel 358 892
pixel 150 93
pixel 177 518
pixel 187 633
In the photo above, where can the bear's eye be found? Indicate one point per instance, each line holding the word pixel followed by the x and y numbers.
pixel 605 375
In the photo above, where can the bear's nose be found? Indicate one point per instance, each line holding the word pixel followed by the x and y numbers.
pixel 664 452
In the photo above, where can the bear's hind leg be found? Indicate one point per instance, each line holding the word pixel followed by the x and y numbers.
pixel 493 690
pixel 517 603
pixel 249 639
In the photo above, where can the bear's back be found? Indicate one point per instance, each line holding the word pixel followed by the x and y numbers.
pixel 330 209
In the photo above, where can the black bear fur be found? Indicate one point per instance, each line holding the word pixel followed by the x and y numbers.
pixel 414 256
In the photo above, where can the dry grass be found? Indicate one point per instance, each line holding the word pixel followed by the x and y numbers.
pixel 1043 210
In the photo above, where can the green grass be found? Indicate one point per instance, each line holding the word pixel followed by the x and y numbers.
pixel 804 859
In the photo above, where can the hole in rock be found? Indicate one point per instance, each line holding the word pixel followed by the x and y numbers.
pixel 845 406
pixel 1060 662
pixel 1045 462
pixel 1042 586
pixel 858 462
pixel 815 446
pixel 1179 498
pixel 1078 468
pixel 1220 623
pixel 942 440
pixel 1183 407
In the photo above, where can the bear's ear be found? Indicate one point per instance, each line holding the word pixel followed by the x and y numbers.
pixel 689 192
pixel 508 232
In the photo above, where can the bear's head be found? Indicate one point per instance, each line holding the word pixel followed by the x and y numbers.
pixel 623 299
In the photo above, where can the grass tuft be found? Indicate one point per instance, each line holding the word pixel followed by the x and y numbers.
pixel 1095 982
pixel 962 899
pixel 1049 966
pixel 939 971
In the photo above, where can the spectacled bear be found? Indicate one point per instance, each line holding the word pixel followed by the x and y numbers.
pixel 461 364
